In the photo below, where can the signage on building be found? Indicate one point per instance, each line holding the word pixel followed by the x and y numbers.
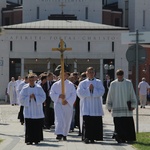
pixel 69 38
pixel 130 38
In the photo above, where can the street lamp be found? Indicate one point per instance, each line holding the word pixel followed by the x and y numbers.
pixel 108 67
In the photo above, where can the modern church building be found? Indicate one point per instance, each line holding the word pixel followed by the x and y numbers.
pixel 28 46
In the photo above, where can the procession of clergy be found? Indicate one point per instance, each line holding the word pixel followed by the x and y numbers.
pixel 42 105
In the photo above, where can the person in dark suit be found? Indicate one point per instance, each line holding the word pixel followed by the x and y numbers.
pixel 49 111
pixel 106 84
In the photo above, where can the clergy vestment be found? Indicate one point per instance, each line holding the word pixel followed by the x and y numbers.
pixel 11 91
pixel 20 114
pixel 49 112
pixel 91 108
pixel 33 112
pixel 120 92
pixel 18 82
pixel 63 113
pixel 106 84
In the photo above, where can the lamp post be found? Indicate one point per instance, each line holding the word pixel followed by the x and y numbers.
pixel 109 69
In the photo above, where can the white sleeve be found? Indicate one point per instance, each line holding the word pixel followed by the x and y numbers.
pixel 54 94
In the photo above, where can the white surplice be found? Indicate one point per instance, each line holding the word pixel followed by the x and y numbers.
pixel 18 82
pixel 21 85
pixel 118 96
pixel 11 91
pixel 63 113
pixel 32 108
pixel 91 102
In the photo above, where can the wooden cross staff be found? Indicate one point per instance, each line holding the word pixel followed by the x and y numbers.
pixel 62 48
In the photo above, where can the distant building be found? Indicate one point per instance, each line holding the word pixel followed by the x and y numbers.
pixel 28 46
pixel 86 10
pixel 136 14
pixel 16 1
pixel 11 14
pixel 107 2
pixel 112 15
pixel 2 5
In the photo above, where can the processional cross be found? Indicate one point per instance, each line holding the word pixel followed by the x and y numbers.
pixel 62 5
pixel 61 49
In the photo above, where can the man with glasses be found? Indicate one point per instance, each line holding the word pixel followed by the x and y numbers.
pixel 121 101
pixel 90 92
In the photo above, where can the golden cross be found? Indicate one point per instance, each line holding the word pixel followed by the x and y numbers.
pixel 62 48
pixel 62 5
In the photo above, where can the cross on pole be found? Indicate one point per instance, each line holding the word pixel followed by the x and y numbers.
pixel 61 49
pixel 62 5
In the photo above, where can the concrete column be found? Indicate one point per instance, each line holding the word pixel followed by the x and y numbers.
pixel 101 70
pixel 75 66
pixel 49 66
pixel 22 67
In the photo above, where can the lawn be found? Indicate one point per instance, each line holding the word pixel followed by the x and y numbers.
pixel 143 141
pixel 1 140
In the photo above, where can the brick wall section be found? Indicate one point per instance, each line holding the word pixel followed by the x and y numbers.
pixel 142 67
pixel 15 17
pixel 110 16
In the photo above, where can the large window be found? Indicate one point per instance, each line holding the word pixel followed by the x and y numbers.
pixel 89 46
pixel 86 12
pixel 35 46
pixel 143 18
pixel 126 13
pixel 14 68
pixel 38 13
pixel 7 21
pixel 11 45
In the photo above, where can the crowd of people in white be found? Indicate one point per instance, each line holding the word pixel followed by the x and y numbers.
pixel 42 105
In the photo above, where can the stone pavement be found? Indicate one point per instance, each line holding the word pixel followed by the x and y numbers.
pixel 13 133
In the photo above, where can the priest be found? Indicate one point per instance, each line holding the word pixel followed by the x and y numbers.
pixel 121 101
pixel 63 106
pixel 11 91
pixel 32 97
pixel 90 92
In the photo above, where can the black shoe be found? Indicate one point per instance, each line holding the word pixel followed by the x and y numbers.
pixel 36 143
pixel 29 143
pixel 130 142
pixel 117 138
pixel 86 141
pixel 113 137
pixel 64 138
pixel 141 107
pixel 44 127
pixel 79 134
pixel 47 127
pixel 92 141
pixel 59 136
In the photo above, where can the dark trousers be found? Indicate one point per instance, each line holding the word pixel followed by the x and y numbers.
pixel 77 113
pixel 20 114
pixel 92 128
pixel 124 128
pixel 33 130
pixel 49 116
